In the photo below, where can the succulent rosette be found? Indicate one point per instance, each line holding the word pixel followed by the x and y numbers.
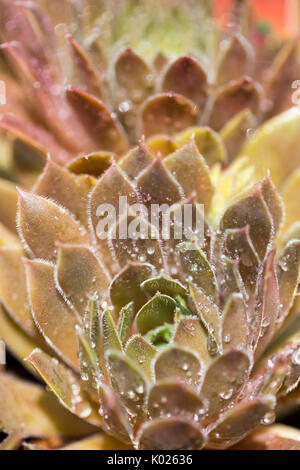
pixel 151 342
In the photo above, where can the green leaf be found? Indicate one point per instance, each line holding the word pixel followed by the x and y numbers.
pixel 142 354
pixel 157 311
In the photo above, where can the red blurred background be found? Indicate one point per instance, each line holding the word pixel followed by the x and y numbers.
pixel 282 15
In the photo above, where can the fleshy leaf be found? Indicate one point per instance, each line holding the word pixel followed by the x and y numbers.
pixel 114 416
pixel 127 382
pixel 223 380
pixel 288 272
pixel 171 434
pixel 136 160
pixel 88 74
pixel 190 170
pixel 94 164
pixel 142 354
pixel 186 77
pixel 210 316
pixel 111 340
pixel 190 334
pixel 234 98
pixel 235 328
pixel 237 59
pixel 291 194
pixel 178 363
pixel 97 121
pixel 277 437
pixel 125 322
pixel 13 290
pixel 126 286
pixel 69 191
pixel 28 406
pixel 65 385
pixel 207 141
pixel 157 311
pixel 171 398
pixel 197 268
pixel 80 275
pixel 237 423
pixel 164 285
pixel 167 113
pixel 50 313
pixel 8 211
pixel 161 144
pixel 235 132
pixel 42 223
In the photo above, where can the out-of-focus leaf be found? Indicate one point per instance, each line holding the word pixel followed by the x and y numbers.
pixel 97 442
pixel 54 319
pixel 237 423
pixel 30 408
pixel 42 224
pixel 234 133
pixel 13 291
pixel 291 194
pixel 208 142
pixel 237 59
pixel 65 385
pixel 178 363
pixel 186 77
pixel 190 334
pixel 94 164
pixel 142 354
pixel 88 74
pixel 167 113
pixel 161 144
pixel 190 170
pixel 97 120
pixel 157 311
pixel 274 140
pixel 8 211
pixel 232 99
pixel 126 286
pixel 171 433
pixel 276 437
pixel 13 441
pixel 81 275
pixel 223 380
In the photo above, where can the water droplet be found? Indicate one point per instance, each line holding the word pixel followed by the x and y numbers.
pixel 269 418
pixel 124 107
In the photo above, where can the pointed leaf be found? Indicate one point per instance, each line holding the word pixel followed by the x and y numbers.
pixel 235 328
pixel 240 421
pixel 235 132
pixel 190 170
pixel 42 224
pixel 97 120
pixel 186 77
pixel 54 319
pixel 65 385
pixel 111 340
pixel 125 322
pixel 81 275
pixel 136 160
pixel 234 98
pixel 164 285
pixel 167 113
pixel 190 334
pixel 126 286
pixel 157 311
pixel 207 141
pixel 142 354
pixel 237 59
pixel 223 380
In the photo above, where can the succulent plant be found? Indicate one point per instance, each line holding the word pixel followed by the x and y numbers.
pixel 157 342
pixel 172 344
